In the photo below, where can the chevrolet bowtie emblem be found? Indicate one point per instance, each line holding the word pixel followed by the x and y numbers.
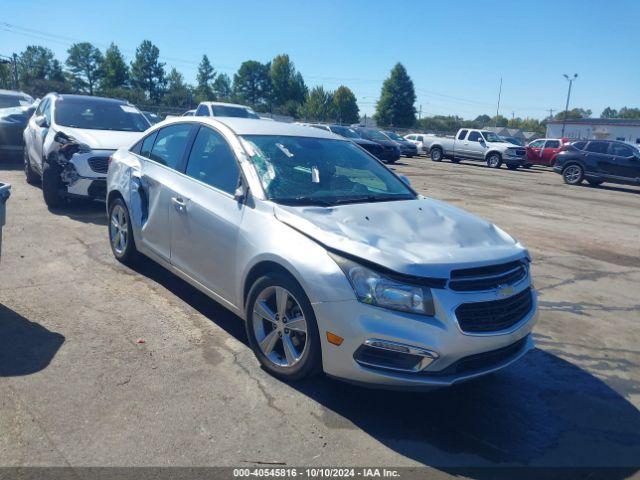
pixel 505 291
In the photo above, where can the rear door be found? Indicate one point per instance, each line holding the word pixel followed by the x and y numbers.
pixel 157 181
pixel 460 144
pixel 206 218
pixel 534 151
pixel 550 150
pixel 626 163
pixel 597 154
pixel 38 133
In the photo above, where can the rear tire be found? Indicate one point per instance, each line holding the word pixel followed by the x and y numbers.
pixel 494 160
pixel 121 238
pixel 573 174
pixel 52 184
pixel 32 177
pixel 302 358
pixel 436 154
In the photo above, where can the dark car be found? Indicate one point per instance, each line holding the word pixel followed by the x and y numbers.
pixel 390 149
pixel 407 148
pixel 348 132
pixel 15 110
pixel 152 117
pixel 598 161
pixel 514 140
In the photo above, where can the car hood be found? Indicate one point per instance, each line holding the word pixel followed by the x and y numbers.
pixel 503 145
pixel 102 139
pixel 422 237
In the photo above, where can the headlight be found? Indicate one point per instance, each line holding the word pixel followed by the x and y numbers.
pixel 377 289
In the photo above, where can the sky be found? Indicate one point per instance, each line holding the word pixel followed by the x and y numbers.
pixel 456 52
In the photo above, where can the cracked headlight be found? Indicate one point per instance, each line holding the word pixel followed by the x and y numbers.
pixel 375 288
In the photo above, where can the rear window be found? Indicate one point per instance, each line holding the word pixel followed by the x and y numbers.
pixel 7 101
pixel 598 147
pixel 553 144
pixel 579 145
pixel 238 112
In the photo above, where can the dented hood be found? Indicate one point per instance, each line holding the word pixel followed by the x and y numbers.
pixel 103 139
pixel 422 237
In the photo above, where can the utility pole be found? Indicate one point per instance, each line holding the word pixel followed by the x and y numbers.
pixel 566 107
pixel 420 113
pixel 498 108
pixel 551 113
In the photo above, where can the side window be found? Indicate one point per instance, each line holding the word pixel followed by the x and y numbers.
pixel 620 150
pixel 474 136
pixel 170 144
pixel 420 138
pixel 40 108
pixel 45 109
pixel 202 111
pixel 212 161
pixel 147 144
pixel 552 144
pixel 462 134
pixel 537 144
pixel 579 145
pixel 597 147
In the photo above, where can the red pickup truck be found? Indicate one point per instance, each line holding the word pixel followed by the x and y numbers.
pixel 544 150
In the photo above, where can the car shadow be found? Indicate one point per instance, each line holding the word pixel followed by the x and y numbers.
pixel 25 347
pixel 611 188
pixel 502 168
pixel 85 211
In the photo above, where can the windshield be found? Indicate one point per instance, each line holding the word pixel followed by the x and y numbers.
pixel 491 137
pixel 344 131
pixel 16 114
pixel 238 112
pixel 96 114
pixel 394 136
pixel 315 171
pixel 372 134
pixel 15 101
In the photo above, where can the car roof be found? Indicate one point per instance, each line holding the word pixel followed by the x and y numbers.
pixel 15 93
pixel 237 105
pixel 90 97
pixel 250 126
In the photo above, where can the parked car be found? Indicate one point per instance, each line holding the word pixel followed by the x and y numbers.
pixel 407 148
pixel 544 150
pixel 598 161
pixel 348 132
pixel 153 118
pixel 334 263
pixel 513 140
pixel 15 110
pixel 69 140
pixel 421 140
pixel 478 145
pixel 218 109
pixel 188 113
pixel 390 149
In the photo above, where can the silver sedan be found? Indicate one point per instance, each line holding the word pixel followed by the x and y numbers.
pixel 332 261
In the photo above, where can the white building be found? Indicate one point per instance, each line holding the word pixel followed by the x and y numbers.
pixel 620 129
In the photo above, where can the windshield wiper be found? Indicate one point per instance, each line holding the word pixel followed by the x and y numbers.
pixel 370 198
pixel 304 201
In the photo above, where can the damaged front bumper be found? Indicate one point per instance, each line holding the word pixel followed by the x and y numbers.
pixel 84 174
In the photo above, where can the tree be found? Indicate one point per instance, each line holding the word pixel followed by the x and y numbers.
pixel 222 87
pixel 147 72
pixel 39 72
pixel 287 85
pixel 115 72
pixel 626 112
pixel 205 77
pixel 609 113
pixel 345 105
pixel 318 106
pixel 252 84
pixel 574 114
pixel 85 66
pixel 481 120
pixel 6 75
pixel 178 93
pixel 395 106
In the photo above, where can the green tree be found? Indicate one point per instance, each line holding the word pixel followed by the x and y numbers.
pixel 287 84
pixel 178 93
pixel 39 72
pixel 609 113
pixel 85 66
pixel 574 114
pixel 147 72
pixel 318 106
pixel 115 72
pixel 395 106
pixel 222 87
pixel 205 77
pixel 6 75
pixel 251 84
pixel 626 112
pixel 481 120
pixel 345 105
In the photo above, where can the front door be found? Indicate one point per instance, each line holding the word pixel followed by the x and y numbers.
pixel 626 163
pixel 534 151
pixel 475 146
pixel 205 216
pixel 549 152
pixel 39 133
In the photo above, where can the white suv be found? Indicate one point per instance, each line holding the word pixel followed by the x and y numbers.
pixel 68 142
pixel 219 109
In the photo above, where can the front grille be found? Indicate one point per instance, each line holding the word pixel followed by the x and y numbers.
pixel 520 152
pixel 98 189
pixel 99 164
pixel 481 361
pixel 496 315
pixel 487 278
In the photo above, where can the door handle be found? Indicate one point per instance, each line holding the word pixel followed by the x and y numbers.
pixel 180 204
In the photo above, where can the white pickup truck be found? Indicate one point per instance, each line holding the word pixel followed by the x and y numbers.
pixel 478 145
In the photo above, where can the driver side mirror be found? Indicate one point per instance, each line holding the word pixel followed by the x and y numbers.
pixel 241 192
pixel 41 121
pixel 480 140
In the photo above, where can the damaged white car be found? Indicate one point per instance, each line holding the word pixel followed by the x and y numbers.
pixel 331 259
pixel 68 142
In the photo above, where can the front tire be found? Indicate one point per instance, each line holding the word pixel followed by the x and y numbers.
pixel 573 174
pixel 494 160
pixel 121 238
pixel 31 176
pixel 282 329
pixel 52 184
pixel 436 154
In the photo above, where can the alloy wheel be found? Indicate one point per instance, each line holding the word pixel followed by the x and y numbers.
pixel 494 161
pixel 279 326
pixel 119 230
pixel 572 174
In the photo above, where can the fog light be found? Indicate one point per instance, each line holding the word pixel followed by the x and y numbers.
pixel 389 355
